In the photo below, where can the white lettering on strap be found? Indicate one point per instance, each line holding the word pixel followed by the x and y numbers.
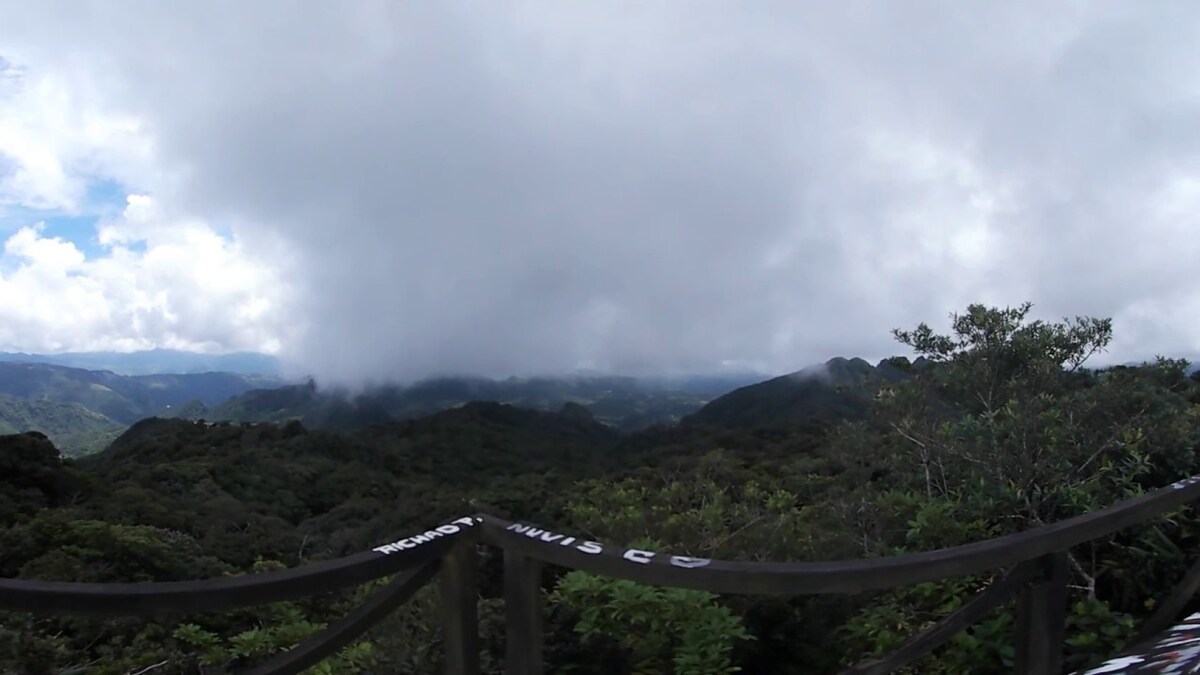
pixel 454 527
pixel 638 556
pixel 589 547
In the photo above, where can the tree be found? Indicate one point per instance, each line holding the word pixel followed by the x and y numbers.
pixel 995 355
pixel 1009 430
pixel 997 403
pixel 663 630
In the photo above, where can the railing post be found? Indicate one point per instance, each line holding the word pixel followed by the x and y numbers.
pixel 460 611
pixel 522 614
pixel 1041 619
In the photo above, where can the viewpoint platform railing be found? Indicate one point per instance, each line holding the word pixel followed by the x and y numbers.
pixel 1035 564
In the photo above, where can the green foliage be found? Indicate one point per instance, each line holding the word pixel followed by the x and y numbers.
pixel 999 427
pixel 280 628
pixel 999 345
pixel 175 499
pixel 74 429
pixel 986 647
pixel 1008 431
pixel 1095 632
pixel 721 509
pixel 663 630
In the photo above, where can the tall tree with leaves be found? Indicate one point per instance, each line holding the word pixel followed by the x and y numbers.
pixel 1009 430
pixel 997 403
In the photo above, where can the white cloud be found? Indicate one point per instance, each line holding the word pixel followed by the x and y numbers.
pixel 56 136
pixel 181 287
pixel 160 279
pixel 52 255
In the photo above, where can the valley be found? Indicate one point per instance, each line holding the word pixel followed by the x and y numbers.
pixel 82 410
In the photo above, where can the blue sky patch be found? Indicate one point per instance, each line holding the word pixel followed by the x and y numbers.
pixel 104 199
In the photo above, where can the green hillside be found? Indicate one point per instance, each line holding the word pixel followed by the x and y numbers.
pixel 84 410
pixel 838 389
pixel 124 399
pixel 74 429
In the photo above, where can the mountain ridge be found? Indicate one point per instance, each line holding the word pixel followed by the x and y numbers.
pixel 838 388
pixel 82 409
pixel 156 362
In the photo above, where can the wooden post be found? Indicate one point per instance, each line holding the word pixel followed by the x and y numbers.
pixel 1041 619
pixel 522 614
pixel 460 610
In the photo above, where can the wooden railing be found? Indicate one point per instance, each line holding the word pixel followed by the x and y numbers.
pixel 1035 564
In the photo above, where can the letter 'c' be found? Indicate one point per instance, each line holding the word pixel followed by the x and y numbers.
pixel 634 555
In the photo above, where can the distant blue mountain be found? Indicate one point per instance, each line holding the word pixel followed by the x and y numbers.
pixel 156 362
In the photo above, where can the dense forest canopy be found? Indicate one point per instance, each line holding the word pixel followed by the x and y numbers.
pixel 998 426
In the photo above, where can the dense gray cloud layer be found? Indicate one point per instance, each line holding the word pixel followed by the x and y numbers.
pixel 523 188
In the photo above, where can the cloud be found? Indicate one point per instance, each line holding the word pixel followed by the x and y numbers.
pixel 527 188
pixel 186 287
pixel 159 278
pixel 56 137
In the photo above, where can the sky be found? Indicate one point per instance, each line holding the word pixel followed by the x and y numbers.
pixel 389 190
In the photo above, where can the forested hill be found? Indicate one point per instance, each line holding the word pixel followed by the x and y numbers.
pixel 273 486
pixel 837 389
pixel 1000 430
pixel 74 428
pixel 82 410
pixel 123 398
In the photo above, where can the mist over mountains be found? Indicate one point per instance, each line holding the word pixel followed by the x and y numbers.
pixel 82 410
pixel 623 403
